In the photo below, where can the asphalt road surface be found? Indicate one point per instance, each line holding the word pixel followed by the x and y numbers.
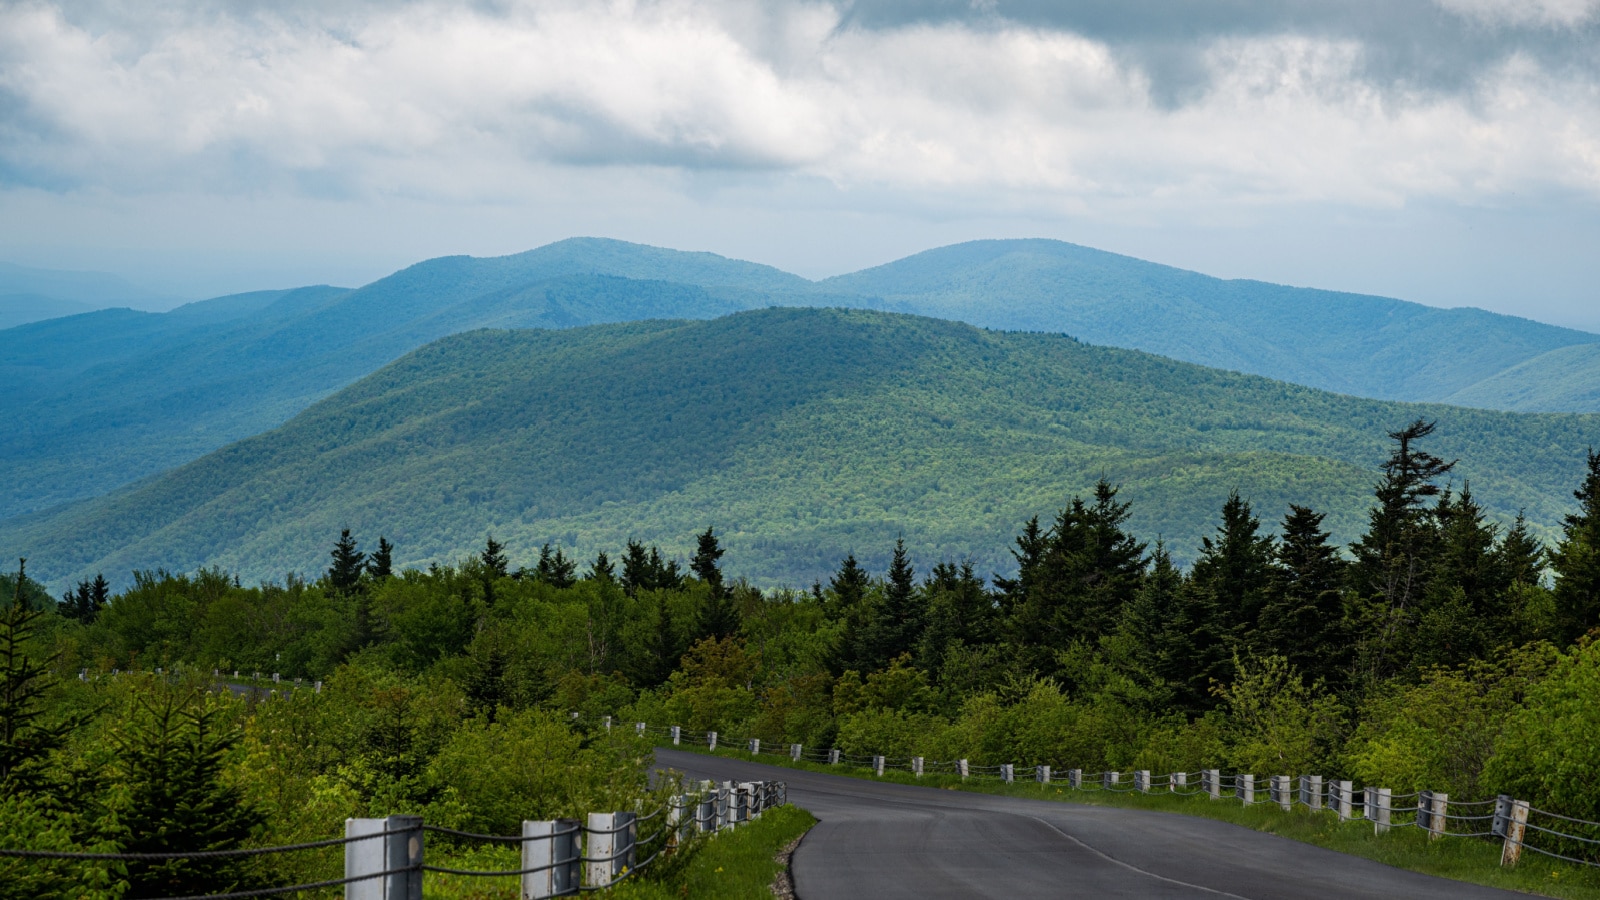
pixel 880 841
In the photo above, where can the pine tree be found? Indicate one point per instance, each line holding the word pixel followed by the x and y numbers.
pixel 344 576
pixel 602 569
pixel 636 574
pixel 494 558
pixel 851 604
pixel 180 802
pixel 901 620
pixel 555 569
pixel 959 613
pixel 848 587
pixel 26 739
pixel 1235 566
pixel 719 618
pixel 380 565
pixel 1304 620
pixel 1576 561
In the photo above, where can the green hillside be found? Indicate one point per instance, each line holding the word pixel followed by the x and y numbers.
pixel 801 434
pixel 1566 379
pixel 1351 343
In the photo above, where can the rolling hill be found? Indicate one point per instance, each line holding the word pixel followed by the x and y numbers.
pixel 99 400
pixel 801 434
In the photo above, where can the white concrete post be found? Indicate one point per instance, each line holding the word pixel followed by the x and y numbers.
pixel 795 752
pixel 1438 825
pixel 1214 788
pixel 916 766
pixel 1344 789
pixel 833 757
pixel 1042 773
pixel 961 766
pixel 1007 772
pixel 705 814
pixel 638 728
pixel 677 735
pixel 711 738
pixel 1075 779
pixel 1245 787
pixel 755 746
pixel 319 687
pixel 1280 792
pixel 612 840
pixel 1314 791
pixel 724 805
pixel 1384 804
pixel 1141 780
pixel 1110 780
pixel 399 849
pixel 1516 827
pixel 877 765
pixel 556 853
pixel 743 801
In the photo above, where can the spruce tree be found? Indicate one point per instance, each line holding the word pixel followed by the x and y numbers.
pixel 26 738
pixel 1304 620
pixel 602 569
pixel 344 576
pixel 959 613
pixel 848 587
pixel 636 574
pixel 493 558
pixel 381 564
pixel 1236 567
pixel 719 618
pixel 900 622
pixel 1576 561
pixel 173 757
pixel 555 569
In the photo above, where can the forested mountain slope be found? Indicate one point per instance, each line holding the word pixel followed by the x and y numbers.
pixel 801 434
pixel 98 400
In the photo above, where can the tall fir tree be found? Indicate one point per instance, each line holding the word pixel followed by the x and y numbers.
pixel 719 617
pixel 901 620
pixel 380 565
pixel 1236 566
pixel 960 612
pixel 555 569
pixel 1576 561
pixel 493 557
pixel 602 569
pixel 1304 621
pixel 344 576
pixel 26 738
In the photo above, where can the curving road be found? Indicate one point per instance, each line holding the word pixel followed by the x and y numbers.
pixel 880 841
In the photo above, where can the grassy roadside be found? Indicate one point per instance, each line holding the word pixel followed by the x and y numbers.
pixel 737 864
pixel 1463 859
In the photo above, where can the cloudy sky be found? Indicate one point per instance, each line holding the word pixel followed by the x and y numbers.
pixel 1445 151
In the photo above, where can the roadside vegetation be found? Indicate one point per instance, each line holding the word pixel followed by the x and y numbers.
pixel 1438 650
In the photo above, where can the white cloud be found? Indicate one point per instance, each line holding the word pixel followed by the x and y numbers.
pixel 1563 13
pixel 467 103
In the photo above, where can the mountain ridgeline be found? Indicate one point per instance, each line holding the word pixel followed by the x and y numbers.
pixel 801 434
pixel 99 400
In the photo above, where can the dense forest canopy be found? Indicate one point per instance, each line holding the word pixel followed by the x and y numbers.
pixel 1437 650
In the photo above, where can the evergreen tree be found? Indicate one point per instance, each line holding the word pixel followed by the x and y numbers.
pixel 180 802
pixel 555 569
pixel 494 558
pixel 1394 558
pixel 1576 561
pixel 1520 557
pixel 851 604
pixel 636 574
pixel 848 587
pixel 959 613
pixel 1304 620
pixel 602 569
pixel 26 739
pixel 344 576
pixel 1465 591
pixel 719 618
pixel 901 620
pixel 381 564
pixel 1236 567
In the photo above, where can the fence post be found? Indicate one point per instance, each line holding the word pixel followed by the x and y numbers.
pixel 1177 780
pixel 1385 803
pixel 1245 787
pixel 711 737
pixel 745 803
pixel 705 813
pixel 1214 788
pixel 1075 779
pixel 612 837
pixel 877 765
pixel 916 766
pixel 677 733
pixel 833 757
pixel 755 746
pixel 1111 779
pixel 1516 827
pixel 1343 803
pixel 1438 825
pixel 1281 792
pixel 1424 820
pixel 1314 791
pixel 1141 781
pixel 1007 772
pixel 554 850
pixel 398 852
pixel 724 805
pixel 1042 773
pixel 961 766
pixel 795 752
pixel 639 728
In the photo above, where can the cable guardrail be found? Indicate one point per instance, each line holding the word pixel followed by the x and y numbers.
pixel 1431 812
pixel 559 857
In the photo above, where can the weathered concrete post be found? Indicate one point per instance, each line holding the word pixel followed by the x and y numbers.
pixel 705 814
pixel 755 746
pixel 1177 780
pixel 833 757
pixel 1245 787
pixel 1075 779
pixel 1438 825
pixel 961 766
pixel 916 766
pixel 1109 780
pixel 613 839
pixel 1381 802
pixel 1141 781
pixel 677 735
pixel 711 740
pixel 1280 792
pixel 1042 773
pixel 877 765
pixel 724 805
pixel 395 846
pixel 1007 772
pixel 795 752
pixel 1214 787
pixel 1314 791
pixel 1344 789
pixel 1516 827
pixel 552 848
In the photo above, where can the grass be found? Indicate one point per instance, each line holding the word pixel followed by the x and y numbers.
pixel 1460 858
pixel 733 864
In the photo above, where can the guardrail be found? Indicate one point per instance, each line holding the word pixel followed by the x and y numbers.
pixel 1503 819
pixel 384 858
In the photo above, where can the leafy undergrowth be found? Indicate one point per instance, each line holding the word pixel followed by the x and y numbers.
pixel 1461 858
pixel 734 864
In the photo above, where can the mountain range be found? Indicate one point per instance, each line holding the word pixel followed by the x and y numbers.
pixel 800 434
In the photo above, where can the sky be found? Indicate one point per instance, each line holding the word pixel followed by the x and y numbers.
pixel 1442 151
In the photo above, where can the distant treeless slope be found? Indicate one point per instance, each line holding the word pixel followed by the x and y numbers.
pixel 800 434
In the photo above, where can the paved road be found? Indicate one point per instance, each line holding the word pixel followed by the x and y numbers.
pixel 882 841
